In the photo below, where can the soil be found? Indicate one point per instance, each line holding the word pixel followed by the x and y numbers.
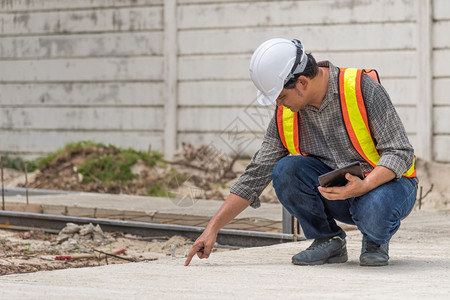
pixel 32 251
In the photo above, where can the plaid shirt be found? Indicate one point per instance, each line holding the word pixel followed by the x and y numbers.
pixel 324 136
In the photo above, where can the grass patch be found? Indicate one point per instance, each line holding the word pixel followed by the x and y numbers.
pixel 159 190
pixel 18 163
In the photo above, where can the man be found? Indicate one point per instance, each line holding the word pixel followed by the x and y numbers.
pixel 326 117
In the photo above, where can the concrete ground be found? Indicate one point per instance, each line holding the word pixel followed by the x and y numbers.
pixel 419 269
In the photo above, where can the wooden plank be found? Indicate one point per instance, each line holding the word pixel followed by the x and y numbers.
pixel 91 45
pixel 235 67
pixel 441 10
pixel 441 120
pixel 32 5
pixel 288 13
pixel 88 118
pixel 441 144
pixel 82 69
pixel 389 36
pixel 98 20
pixel 440 63
pixel 440 91
pixel 82 94
pixel 14 141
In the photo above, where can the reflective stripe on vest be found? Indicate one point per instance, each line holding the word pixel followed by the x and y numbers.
pixel 354 114
pixel 287 123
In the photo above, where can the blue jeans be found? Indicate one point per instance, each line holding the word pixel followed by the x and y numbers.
pixel 377 214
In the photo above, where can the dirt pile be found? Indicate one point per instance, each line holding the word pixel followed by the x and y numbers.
pixel 199 172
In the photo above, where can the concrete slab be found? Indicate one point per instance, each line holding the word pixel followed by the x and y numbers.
pixel 419 269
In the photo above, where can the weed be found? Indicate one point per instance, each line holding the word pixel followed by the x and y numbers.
pixel 159 190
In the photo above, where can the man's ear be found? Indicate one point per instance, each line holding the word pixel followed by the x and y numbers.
pixel 302 82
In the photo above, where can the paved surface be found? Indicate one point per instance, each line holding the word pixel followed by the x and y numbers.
pixel 419 269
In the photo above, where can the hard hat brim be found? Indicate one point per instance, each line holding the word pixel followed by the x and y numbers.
pixel 266 99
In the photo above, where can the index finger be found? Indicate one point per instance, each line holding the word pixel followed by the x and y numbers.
pixel 191 254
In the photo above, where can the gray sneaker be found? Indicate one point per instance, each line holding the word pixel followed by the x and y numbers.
pixel 373 254
pixel 328 250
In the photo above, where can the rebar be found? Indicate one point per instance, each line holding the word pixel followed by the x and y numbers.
pixel 3 187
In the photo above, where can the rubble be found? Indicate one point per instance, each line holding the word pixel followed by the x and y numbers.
pixel 74 237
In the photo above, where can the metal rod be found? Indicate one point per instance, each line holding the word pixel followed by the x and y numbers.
pixel 295 237
pixel 3 187
pixel 26 180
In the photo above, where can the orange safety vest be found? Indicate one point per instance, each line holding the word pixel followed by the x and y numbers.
pixel 353 112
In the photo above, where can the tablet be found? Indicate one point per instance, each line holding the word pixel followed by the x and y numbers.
pixel 337 177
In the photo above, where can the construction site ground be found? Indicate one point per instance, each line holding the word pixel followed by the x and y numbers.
pixel 419 265
pixel 419 269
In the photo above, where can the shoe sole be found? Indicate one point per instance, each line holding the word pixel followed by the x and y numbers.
pixel 338 259
pixel 374 264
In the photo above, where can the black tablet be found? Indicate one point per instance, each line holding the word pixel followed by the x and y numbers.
pixel 337 177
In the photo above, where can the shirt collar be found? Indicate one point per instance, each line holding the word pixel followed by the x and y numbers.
pixel 333 88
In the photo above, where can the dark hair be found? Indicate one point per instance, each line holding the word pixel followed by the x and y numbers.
pixel 311 70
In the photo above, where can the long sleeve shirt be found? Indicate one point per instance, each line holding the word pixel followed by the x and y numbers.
pixel 322 134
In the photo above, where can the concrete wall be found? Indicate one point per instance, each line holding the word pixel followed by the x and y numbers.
pixel 138 73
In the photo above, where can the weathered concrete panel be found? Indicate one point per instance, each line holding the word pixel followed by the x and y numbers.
pixel 441 146
pixel 441 63
pixel 225 67
pixel 88 45
pixel 440 36
pixel 32 5
pixel 408 116
pixel 216 93
pixel 370 37
pixel 441 10
pixel 403 91
pixel 82 94
pixel 441 120
pixel 440 91
pixel 29 142
pixel 89 118
pixel 82 69
pixel 118 19
pixel 227 143
pixel 286 13
pixel 217 119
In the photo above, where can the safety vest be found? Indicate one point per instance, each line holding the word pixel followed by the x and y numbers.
pixel 353 112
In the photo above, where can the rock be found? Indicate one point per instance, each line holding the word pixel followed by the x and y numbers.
pixel 70 228
pixel 86 229
pixel 62 238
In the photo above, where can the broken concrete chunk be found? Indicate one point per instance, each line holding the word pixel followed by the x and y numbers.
pixel 62 237
pixel 86 229
pixel 70 228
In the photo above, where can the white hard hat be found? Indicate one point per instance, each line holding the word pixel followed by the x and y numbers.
pixel 273 63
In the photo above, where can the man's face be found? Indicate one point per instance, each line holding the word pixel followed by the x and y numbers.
pixel 294 99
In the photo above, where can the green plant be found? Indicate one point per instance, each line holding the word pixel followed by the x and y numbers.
pixel 18 163
pixel 159 190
